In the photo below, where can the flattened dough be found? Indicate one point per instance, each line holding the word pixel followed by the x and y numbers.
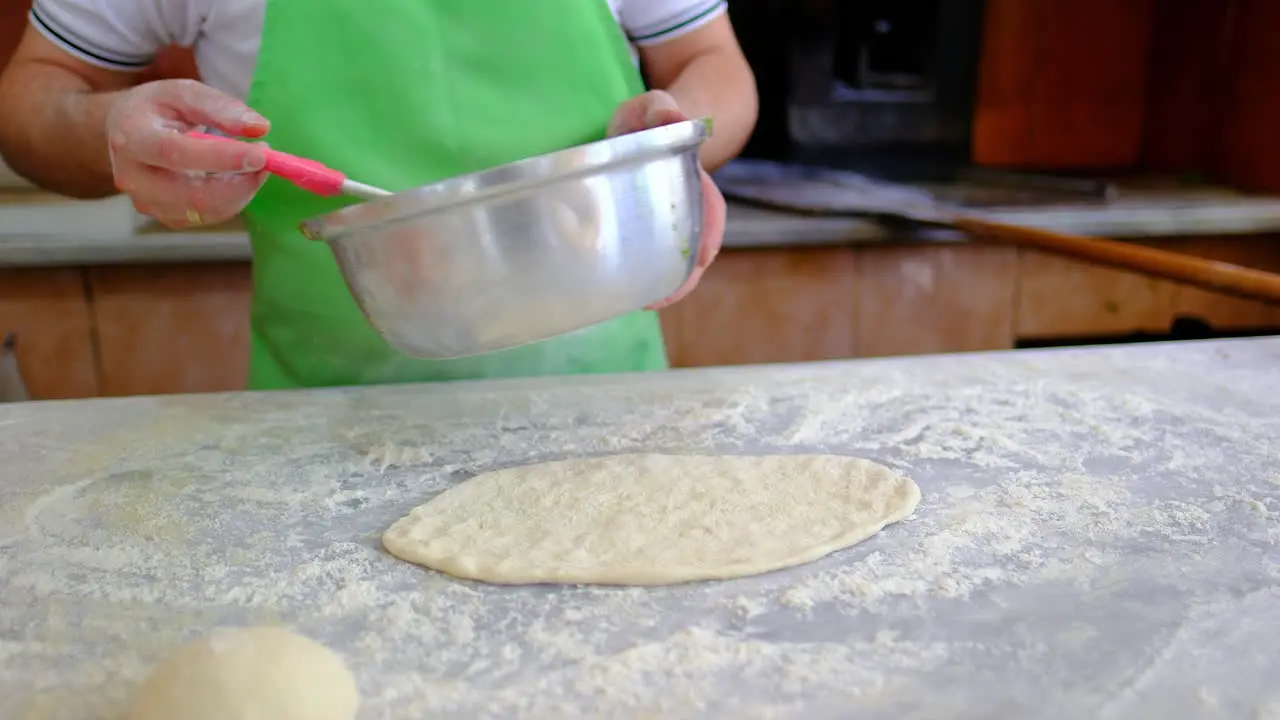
pixel 651 519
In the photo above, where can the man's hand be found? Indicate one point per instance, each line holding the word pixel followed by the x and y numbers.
pixel 177 179
pixel 653 109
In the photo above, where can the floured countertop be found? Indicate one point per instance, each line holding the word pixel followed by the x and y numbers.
pixel 1099 536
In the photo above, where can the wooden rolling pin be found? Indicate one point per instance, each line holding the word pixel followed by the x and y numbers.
pixel 1209 274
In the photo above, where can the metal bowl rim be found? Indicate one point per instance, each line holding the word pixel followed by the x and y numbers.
pixel 547 169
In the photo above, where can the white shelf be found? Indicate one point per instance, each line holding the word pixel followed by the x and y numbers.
pixel 11 179
pixel 25 210
pixel 28 213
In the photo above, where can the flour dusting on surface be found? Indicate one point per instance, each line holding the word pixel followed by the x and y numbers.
pixel 1094 526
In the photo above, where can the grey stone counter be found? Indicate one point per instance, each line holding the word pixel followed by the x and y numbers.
pixel 1147 216
pixel 1097 537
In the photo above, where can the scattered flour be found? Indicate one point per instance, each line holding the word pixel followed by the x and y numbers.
pixel 1074 512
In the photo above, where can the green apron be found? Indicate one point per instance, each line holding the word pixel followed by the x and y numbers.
pixel 401 93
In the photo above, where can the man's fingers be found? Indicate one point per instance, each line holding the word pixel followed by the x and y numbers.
pixel 661 109
pixel 714 219
pixel 685 288
pixel 200 104
pixel 148 125
pixel 649 110
pixel 663 112
pixel 714 214
pixel 224 196
pixel 663 116
pixel 173 149
pixel 179 201
pixel 628 118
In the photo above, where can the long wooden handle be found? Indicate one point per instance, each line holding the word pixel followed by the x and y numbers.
pixel 1209 274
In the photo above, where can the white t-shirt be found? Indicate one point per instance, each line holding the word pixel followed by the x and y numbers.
pixel 226 34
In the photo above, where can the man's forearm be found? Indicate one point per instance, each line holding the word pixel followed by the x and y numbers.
pixel 718 84
pixel 53 131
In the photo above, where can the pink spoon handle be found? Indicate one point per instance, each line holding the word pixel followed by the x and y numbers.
pixel 307 174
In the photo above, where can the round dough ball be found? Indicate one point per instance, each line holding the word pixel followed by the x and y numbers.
pixel 254 673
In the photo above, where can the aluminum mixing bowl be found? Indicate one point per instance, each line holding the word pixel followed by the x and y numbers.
pixel 525 251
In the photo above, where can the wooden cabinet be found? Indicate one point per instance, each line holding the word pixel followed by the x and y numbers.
pixel 1063 83
pixel 794 305
pixel 1171 86
pixel 172 329
pixel 776 305
pixel 1188 78
pixel 1059 297
pixel 1248 149
pixel 1212 105
pixel 915 299
pixel 49 309
pixel 129 330
pixel 155 329
pixel 799 305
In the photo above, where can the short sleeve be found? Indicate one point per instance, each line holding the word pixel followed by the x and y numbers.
pixel 119 34
pixel 650 22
